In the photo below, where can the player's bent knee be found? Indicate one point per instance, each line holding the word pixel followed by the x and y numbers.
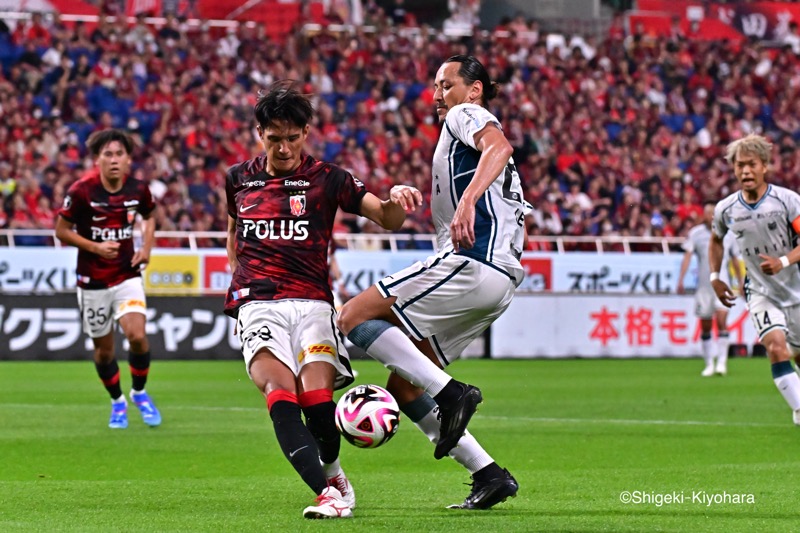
pixel 777 351
pixel 138 342
pixel 345 318
pixel 269 373
pixel 103 356
pixel 364 334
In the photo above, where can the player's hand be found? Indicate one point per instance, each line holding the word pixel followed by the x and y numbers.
pixel 462 228
pixel 140 259
pixel 724 293
pixel 107 249
pixel 771 265
pixel 409 198
pixel 680 289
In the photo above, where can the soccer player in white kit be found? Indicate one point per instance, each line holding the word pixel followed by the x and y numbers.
pixel 708 308
pixel 448 300
pixel 765 219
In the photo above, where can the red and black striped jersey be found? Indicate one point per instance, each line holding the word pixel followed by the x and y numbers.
pixel 101 216
pixel 284 227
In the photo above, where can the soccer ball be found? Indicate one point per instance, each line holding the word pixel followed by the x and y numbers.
pixel 367 416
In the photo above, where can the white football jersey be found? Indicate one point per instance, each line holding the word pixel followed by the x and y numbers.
pixel 697 243
pixel 499 213
pixel 764 228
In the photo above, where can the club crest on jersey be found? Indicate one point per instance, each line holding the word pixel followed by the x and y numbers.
pixel 297 203
pixel 131 215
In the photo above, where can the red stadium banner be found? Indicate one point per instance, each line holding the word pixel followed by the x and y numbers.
pixel 74 7
pixel 699 20
pixel 675 7
pixel 134 7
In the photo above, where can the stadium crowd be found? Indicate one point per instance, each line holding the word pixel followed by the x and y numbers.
pixel 615 136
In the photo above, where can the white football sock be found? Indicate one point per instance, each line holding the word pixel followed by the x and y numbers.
pixel 708 351
pixel 331 469
pixel 398 353
pixel 468 453
pixel 723 343
pixel 789 387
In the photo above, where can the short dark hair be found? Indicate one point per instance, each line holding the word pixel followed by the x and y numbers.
pixel 99 139
pixel 472 70
pixel 283 101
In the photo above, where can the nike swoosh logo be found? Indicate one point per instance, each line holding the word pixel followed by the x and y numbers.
pixel 291 454
pixel 243 208
pixel 98 219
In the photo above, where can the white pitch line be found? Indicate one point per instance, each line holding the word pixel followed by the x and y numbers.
pixel 543 420
pixel 628 421
pixel 91 406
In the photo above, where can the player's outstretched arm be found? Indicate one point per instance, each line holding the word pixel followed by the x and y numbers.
pixel 390 214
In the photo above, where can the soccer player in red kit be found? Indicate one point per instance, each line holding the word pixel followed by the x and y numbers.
pixel 281 209
pixel 97 217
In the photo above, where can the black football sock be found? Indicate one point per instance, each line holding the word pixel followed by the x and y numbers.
pixel 140 366
pixel 298 444
pixel 109 375
pixel 322 425
pixel 450 393
pixel 488 472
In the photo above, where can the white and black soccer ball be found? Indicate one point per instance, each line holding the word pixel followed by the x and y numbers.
pixel 367 416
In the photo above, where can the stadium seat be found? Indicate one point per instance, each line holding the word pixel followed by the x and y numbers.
pixel 414 90
pixel 613 129
pixel 9 54
pixel 147 123
pixel 43 103
pixel 674 122
pixel 82 130
pixel 330 98
pixel 316 11
pixel 353 99
pixel 332 149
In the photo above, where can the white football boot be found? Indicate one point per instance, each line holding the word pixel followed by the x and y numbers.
pixel 329 504
pixel 343 485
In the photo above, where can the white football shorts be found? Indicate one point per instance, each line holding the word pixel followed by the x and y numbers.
pixel 767 316
pixel 449 299
pixel 706 303
pixel 296 332
pixel 100 308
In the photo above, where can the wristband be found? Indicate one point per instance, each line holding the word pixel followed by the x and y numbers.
pixel 714 276
pixel 785 261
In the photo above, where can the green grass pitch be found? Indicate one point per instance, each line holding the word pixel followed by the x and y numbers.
pixel 577 435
